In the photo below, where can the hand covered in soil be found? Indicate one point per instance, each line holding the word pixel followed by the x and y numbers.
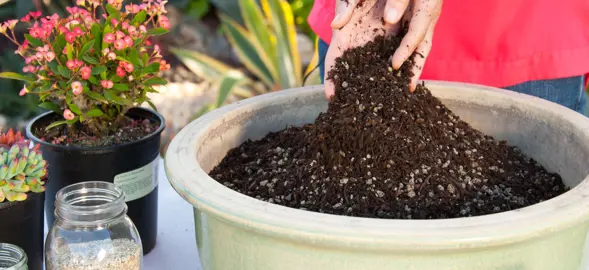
pixel 359 21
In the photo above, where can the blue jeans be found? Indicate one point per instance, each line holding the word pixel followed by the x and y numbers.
pixel 568 92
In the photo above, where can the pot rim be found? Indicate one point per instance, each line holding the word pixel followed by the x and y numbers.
pixel 36 140
pixel 30 196
pixel 321 229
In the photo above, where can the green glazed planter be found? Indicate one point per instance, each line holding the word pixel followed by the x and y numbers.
pixel 237 232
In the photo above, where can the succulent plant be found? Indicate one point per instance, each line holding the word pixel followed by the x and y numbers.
pixel 22 167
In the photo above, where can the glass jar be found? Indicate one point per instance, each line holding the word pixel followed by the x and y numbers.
pixel 12 257
pixel 92 230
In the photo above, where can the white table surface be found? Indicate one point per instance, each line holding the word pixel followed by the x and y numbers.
pixel 176 244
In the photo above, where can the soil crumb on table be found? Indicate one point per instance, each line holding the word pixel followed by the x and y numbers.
pixel 382 152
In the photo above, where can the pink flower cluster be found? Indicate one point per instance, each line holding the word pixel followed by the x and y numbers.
pixel 73 64
pixel 123 68
pixel 69 65
pixel 120 40
pixel 43 30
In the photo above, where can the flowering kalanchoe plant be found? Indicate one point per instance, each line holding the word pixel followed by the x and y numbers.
pixel 22 168
pixel 94 65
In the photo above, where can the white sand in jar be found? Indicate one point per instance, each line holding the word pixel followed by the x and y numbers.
pixel 118 254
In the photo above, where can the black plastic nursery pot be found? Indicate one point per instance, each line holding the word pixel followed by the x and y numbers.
pixel 131 166
pixel 21 224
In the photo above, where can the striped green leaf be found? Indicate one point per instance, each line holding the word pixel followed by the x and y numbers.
pixel 281 18
pixel 256 24
pixel 247 49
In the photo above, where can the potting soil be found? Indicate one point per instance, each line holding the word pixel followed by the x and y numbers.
pixel 381 151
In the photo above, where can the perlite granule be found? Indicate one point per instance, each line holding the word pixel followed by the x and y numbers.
pixel 118 254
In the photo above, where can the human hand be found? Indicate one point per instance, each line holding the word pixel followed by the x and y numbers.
pixel 354 26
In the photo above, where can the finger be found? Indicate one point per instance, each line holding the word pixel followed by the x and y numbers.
pixel 332 53
pixel 343 13
pixel 394 10
pixel 423 15
pixel 423 51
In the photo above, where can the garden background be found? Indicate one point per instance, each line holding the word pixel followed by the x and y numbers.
pixel 220 51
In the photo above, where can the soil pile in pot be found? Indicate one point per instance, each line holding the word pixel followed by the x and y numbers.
pixel 382 152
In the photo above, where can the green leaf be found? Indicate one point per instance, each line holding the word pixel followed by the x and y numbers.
pixel 115 78
pixel 134 58
pixel 122 58
pixel 120 87
pixel 95 30
pixel 247 51
pixel 86 48
pixel 151 105
pixel 152 68
pixel 112 11
pixel 203 110
pixel 74 108
pixel 122 101
pixel 55 124
pixel 144 58
pixel 201 64
pixel 98 69
pixel 53 67
pixel 35 42
pixel 90 60
pixel 46 86
pixel 16 76
pixel 287 60
pixel 69 50
pixel 139 18
pixel 111 96
pixel 50 106
pixel 59 44
pixel 93 80
pixel 155 81
pixel 256 24
pixel 94 113
pixel 64 71
pixel 229 81
pixel 107 30
pixel 95 96
pixel 198 8
pixel 156 31
pixel 73 121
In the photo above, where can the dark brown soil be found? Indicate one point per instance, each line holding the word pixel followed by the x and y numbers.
pixel 132 131
pixel 382 152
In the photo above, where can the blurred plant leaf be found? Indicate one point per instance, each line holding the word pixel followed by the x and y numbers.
pixel 255 23
pixel 198 8
pixel 230 80
pixel 314 61
pixel 201 64
pixel 249 51
pixel 301 10
pixel 23 7
pixel 280 16
pixel 229 7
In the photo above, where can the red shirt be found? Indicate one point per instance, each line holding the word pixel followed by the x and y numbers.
pixel 498 42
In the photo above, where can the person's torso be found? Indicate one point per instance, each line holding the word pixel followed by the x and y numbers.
pixel 499 42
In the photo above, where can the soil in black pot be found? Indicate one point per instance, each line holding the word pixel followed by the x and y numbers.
pixel 132 130
pixel 381 151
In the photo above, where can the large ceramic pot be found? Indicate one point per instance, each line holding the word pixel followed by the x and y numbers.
pixel 131 166
pixel 237 232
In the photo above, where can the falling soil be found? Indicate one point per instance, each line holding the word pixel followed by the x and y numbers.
pixel 382 152
pixel 133 130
